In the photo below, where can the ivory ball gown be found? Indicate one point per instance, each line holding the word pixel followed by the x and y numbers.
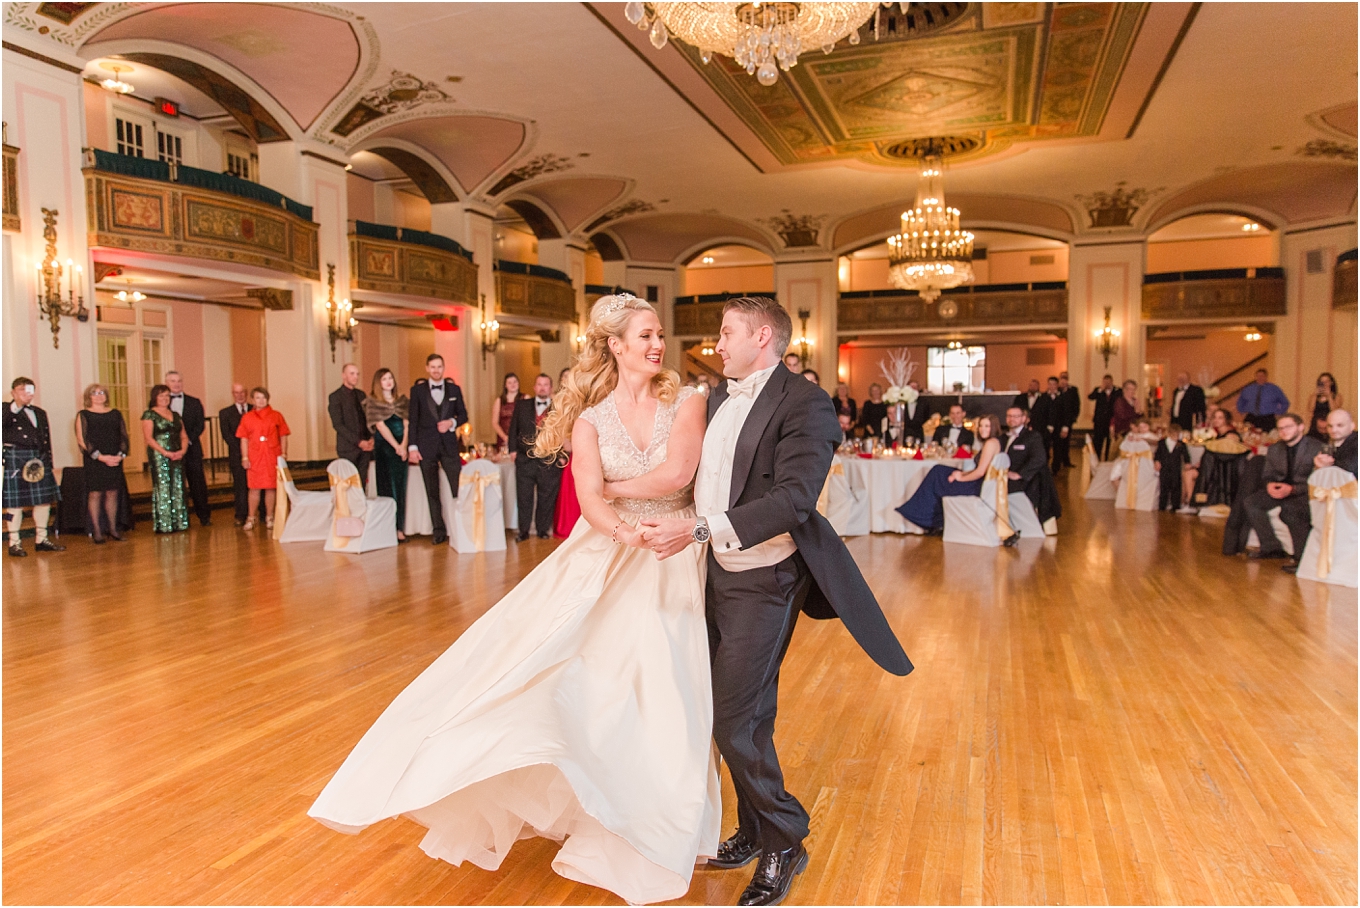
pixel 577 708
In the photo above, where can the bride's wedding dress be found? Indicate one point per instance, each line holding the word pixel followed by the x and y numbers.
pixel 578 708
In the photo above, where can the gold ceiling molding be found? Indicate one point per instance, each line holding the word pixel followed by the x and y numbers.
pixel 795 230
pixel 534 167
pixel 402 92
pixel 1047 78
pixel 1115 208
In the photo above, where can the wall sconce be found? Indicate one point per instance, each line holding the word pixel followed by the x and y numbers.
pixel 50 270
pixel 339 316
pixel 804 345
pixel 706 347
pixel 579 340
pixel 1107 339
pixel 1252 335
pixel 491 332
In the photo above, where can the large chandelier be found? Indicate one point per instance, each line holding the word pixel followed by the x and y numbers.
pixel 931 253
pixel 762 37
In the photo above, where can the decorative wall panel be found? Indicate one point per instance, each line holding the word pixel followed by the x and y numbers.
pixel 971 310
pixel 535 297
pixel 11 193
pixel 406 269
pixel 1343 285
pixel 1225 298
pixel 698 319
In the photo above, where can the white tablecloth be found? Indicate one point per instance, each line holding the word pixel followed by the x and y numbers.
pixel 418 521
pixel 887 483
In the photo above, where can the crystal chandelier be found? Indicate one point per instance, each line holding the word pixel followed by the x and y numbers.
pixel 931 253
pixel 762 37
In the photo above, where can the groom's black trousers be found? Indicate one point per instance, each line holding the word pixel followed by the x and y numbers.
pixel 751 615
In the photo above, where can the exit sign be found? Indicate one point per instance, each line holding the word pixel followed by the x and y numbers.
pixel 167 107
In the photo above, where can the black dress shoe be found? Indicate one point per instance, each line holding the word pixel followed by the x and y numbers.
pixel 1290 567
pixel 116 537
pixel 48 545
pixel 1012 540
pixel 17 551
pixel 545 535
pixel 935 531
pixel 441 538
pixel 737 851
pixel 1263 554
pixel 774 876
pixel 206 521
pixel 98 540
pixel 521 537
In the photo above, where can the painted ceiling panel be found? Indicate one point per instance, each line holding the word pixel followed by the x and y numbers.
pixel 575 199
pixel 663 237
pixel 471 147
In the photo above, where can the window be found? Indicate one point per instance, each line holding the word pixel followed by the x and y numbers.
pixel 238 166
pixel 113 371
pixel 169 148
pixel 130 138
pixel 947 368
pixel 151 364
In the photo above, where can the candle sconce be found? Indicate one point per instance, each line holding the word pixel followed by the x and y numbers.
pixel 52 305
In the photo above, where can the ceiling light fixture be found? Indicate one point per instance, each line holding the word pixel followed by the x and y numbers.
pixel 1251 227
pixel 707 260
pixel 931 253
pixel 1252 335
pixel 116 84
pixel 762 37
pixel 129 295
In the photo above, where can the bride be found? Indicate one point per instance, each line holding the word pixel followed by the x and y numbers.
pixel 578 708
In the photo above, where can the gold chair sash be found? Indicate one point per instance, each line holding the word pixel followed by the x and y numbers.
pixel 824 499
pixel 478 481
pixel 340 490
pixel 1003 501
pixel 1328 539
pixel 281 481
pixel 1226 446
pixel 1088 466
pixel 1131 475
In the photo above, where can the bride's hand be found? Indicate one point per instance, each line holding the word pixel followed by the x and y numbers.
pixel 630 535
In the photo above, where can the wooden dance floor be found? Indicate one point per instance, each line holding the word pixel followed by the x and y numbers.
pixel 1120 715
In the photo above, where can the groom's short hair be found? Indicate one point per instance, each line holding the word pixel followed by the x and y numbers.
pixel 761 310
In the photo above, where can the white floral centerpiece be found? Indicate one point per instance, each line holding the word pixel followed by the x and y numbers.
pixel 897 370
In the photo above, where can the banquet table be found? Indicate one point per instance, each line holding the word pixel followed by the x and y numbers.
pixel 878 486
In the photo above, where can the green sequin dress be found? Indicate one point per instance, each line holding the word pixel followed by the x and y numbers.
pixel 169 514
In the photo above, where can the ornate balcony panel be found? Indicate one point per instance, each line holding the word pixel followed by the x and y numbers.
pixel 411 269
pixel 535 296
pixel 1262 296
pixel 893 310
pixel 698 319
pixel 11 189
pixel 1343 282
pixel 171 219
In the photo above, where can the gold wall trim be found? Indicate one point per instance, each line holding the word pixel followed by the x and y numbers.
pixel 406 269
pixel 974 310
pixel 11 189
pixel 1224 298
pixel 698 319
pixel 1343 285
pixel 168 219
pixel 535 297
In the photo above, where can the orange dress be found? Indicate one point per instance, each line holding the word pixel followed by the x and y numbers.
pixel 263 427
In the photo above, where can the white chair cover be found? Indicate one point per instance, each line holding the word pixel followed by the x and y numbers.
pixel 509 494
pixel 1135 476
pixel 1330 553
pixel 418 522
pixel 379 515
pixel 1024 518
pixel 1102 486
pixel 478 521
pixel 981 519
pixel 309 513
pixel 841 493
pixel 1281 533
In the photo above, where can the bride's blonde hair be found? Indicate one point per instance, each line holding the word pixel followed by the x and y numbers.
pixel 596 373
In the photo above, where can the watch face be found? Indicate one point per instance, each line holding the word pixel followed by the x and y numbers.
pixel 701 532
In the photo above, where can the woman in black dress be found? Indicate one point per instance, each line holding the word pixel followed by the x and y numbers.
pixel 103 439
pixel 845 404
pixel 874 411
pixel 1326 399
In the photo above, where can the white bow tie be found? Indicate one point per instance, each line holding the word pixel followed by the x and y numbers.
pixel 746 387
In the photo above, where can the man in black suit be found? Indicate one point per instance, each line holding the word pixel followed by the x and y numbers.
pixel 1028 471
pixel 1188 406
pixel 536 481
pixel 1069 408
pixel 353 440
pixel 916 415
pixel 770 442
pixel 1100 422
pixel 1026 399
pixel 953 431
pixel 437 410
pixel 1289 463
pixel 1341 451
pixel 190 409
pixel 1043 416
pixel 228 420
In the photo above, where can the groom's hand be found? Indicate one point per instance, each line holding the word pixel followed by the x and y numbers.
pixel 667 536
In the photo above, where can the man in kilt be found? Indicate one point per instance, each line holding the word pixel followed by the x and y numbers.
pixel 29 480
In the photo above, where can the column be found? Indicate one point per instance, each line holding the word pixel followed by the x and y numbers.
pixel 637 278
pixel 1313 337
pixel 1100 275
pixel 470 224
pixel 568 255
pixel 812 283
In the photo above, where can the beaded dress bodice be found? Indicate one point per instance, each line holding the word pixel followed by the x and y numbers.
pixel 621 459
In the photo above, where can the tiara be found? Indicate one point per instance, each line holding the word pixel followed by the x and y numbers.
pixel 620 301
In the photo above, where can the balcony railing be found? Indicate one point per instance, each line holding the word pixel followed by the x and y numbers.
pixel 149 206
pixel 1221 293
pixel 402 262
pixel 1343 281
pixel 978 306
pixel 534 291
pixel 700 315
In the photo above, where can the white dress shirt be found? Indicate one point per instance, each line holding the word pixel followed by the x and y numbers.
pixel 27 411
pixel 713 484
pixel 954 434
pixel 1176 406
pixel 177 403
pixel 1032 399
pixel 541 405
pixel 437 393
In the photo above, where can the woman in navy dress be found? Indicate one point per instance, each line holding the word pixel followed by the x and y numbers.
pixel 925 508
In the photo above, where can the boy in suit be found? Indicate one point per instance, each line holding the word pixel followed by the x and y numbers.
pixel 1169 460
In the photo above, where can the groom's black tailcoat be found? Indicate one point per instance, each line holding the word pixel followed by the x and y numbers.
pixel 781 460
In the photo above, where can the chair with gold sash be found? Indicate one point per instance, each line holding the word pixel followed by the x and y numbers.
pixel 842 500
pixel 360 524
pixel 1135 477
pixel 983 519
pixel 300 516
pixel 1330 553
pixel 478 521
pixel 1095 481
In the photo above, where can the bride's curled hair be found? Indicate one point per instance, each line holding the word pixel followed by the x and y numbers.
pixel 595 373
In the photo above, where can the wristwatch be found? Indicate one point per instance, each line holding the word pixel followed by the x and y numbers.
pixel 701 533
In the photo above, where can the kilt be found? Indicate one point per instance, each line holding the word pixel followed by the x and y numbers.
pixel 18 492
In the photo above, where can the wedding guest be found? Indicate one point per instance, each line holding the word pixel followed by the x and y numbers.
pixel 925 507
pixel 1045 415
pixel 1027 399
pixel 1289 463
pixel 953 432
pixel 1125 409
pixel 263 435
pixel 503 407
pixel 793 362
pixel 812 376
pixel 568 509
pixel 1262 401
pixel 847 427
pixel 844 403
pixel 228 421
pixel 1169 460
pixel 1326 398
pixel 102 437
pixel 1340 452
pixel 913 426
pixel 1029 471
pixel 1220 487
pixel 1068 408
pixel 536 482
pixel 1104 396
pixel 437 410
pixel 874 412
pixel 387 415
pixel 190 410
pixel 29 478
pixel 1188 405
pixel 1319 430
pixel 164 433
pixel 353 440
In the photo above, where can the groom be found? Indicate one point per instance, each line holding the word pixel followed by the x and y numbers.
pixel 770 440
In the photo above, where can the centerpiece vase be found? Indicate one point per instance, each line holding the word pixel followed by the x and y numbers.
pixel 897 418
